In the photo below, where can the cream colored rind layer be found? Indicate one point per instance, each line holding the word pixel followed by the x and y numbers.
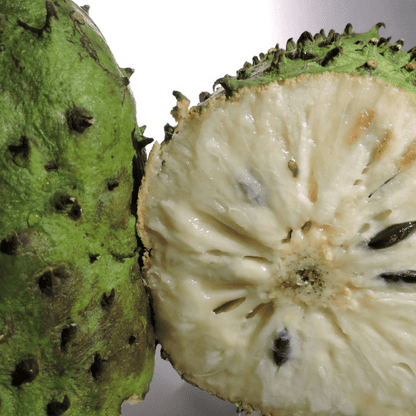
pixel 255 195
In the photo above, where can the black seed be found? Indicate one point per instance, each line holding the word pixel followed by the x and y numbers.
pixel 107 300
pixel 132 339
pixel 93 257
pixel 9 245
pixel 391 235
pixel 228 306
pixel 281 348
pixel 68 334
pixel 57 408
pixel 25 371
pixel 406 276
pixel 79 119
pixel 75 211
pixel 22 150
pixel 97 366
pixel 112 185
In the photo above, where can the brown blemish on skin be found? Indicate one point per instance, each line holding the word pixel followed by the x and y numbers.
pixel 361 123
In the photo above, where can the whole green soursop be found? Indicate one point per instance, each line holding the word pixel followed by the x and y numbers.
pixel 280 221
pixel 75 330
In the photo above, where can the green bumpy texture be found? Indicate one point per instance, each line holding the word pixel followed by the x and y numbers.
pixel 76 336
pixel 365 54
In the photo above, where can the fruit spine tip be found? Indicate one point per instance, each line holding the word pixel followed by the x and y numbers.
pixel 180 111
pixel 86 8
pixel 348 29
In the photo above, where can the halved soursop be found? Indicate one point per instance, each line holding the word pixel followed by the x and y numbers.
pixel 279 218
pixel 75 331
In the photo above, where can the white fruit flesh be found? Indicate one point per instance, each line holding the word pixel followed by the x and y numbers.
pixel 258 213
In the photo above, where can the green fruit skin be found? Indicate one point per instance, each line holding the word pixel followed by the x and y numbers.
pixel 365 54
pixel 75 329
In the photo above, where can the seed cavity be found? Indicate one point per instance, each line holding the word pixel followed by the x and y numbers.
pixel 281 348
pixel 313 188
pixel 381 216
pixel 391 235
pixel 230 305
pixel 255 311
pixel 364 228
pixel 293 167
pixel 406 276
pixel 306 227
pixel 288 237
pixel 25 371
pixel 408 157
pixel 362 122
pixel 56 408
pixel 382 147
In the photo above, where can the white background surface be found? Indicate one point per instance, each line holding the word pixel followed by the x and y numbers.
pixel 186 45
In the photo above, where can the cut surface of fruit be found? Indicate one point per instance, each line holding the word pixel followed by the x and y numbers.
pixel 280 225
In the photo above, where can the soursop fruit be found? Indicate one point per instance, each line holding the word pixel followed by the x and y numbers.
pixel 279 218
pixel 75 331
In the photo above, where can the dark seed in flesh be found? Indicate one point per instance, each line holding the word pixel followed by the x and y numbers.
pixel 281 348
pixel 391 235
pixel 406 276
